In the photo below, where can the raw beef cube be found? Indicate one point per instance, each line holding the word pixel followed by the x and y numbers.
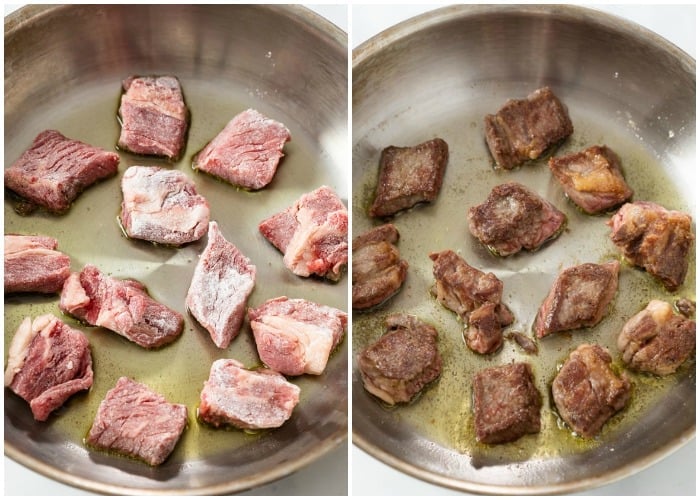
pixel 587 392
pixel 578 298
pixel 223 280
pixel 475 296
pixel 312 234
pixel 408 176
pixel 656 340
pixel 32 264
pixel 135 421
pixel 48 362
pixel 122 306
pixel 655 239
pixel 592 179
pixel 403 361
pixel 378 270
pixel 506 403
pixel 153 116
pixel 247 399
pixel 296 336
pixel 514 218
pixel 162 206
pixel 246 152
pixel 524 129
pixel 55 170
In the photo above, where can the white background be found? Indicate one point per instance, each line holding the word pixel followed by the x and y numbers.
pixel 674 475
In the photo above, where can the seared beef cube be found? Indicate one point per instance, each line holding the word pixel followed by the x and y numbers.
pixel 162 206
pixel 296 336
pixel 656 340
pixel 246 152
pixel 586 390
pixel 153 116
pixel 55 170
pixel 403 361
pixel 136 421
pixel 514 218
pixel 484 333
pixel 592 179
pixel 48 362
pixel 408 176
pixel 247 399
pixel 377 268
pixel 32 264
pixel 312 234
pixel 223 280
pixel 506 403
pixel 122 306
pixel 524 129
pixel 578 298
pixel 655 239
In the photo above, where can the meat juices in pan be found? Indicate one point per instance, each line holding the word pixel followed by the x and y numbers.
pixel 48 362
pixel 592 179
pixel 524 129
pixel 377 268
pixel 246 152
pixel 587 392
pixel 55 170
pixel 153 116
pixel 579 298
pixel 513 218
pixel 506 403
pixel 408 176
pixel 32 264
pixel 403 361
pixel 655 239
pixel 656 340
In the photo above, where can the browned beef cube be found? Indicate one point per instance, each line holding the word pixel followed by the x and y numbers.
pixel 592 179
pixel 377 268
pixel 656 340
pixel 514 218
pixel 403 361
pixel 32 264
pixel 484 333
pixel 524 129
pixel 408 176
pixel 506 403
pixel 655 239
pixel 55 170
pixel 586 390
pixel 578 298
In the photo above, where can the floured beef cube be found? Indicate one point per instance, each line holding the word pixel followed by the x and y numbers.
pixel 55 170
pixel 247 399
pixel 514 218
pixel 134 420
pixel 377 268
pixel 403 361
pixel 592 179
pixel 579 298
pixel 32 264
pixel 524 129
pixel 408 176
pixel 122 306
pixel 154 117
pixel 655 239
pixel 162 206
pixel 223 280
pixel 312 234
pixel 656 340
pixel 48 362
pixel 587 392
pixel 475 296
pixel 296 336
pixel 506 403
pixel 246 152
